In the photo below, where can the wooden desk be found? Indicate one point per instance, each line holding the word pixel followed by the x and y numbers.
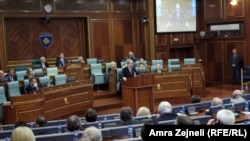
pixel 52 102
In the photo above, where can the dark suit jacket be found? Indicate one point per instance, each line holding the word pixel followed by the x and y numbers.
pixel 46 64
pixel 235 60
pixel 165 116
pixel 14 77
pixel 59 63
pixel 30 88
pixel 129 122
pixel 126 72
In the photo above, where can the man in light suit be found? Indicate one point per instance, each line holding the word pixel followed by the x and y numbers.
pixel 61 61
pixel 129 70
pixel 235 67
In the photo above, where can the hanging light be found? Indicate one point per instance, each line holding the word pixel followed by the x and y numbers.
pixel 233 2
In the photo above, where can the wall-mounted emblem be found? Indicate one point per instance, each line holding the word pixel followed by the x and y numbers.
pixel 46 39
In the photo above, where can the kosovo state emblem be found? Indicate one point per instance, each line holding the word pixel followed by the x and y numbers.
pixel 46 39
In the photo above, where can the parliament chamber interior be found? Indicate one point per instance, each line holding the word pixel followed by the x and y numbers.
pixel 117 65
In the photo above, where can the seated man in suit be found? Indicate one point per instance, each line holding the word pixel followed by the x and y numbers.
pixel 11 75
pixel 158 68
pixel 91 115
pixel 73 123
pixel 237 97
pixel 129 70
pixel 165 112
pixel 33 86
pixel 142 69
pixel 215 102
pixel 44 64
pixel 61 61
pixel 40 121
pixel 1 73
pixel 126 117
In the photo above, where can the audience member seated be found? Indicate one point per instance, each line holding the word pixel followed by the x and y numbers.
pixel 142 69
pixel 129 71
pixel 91 133
pixel 223 117
pixel 29 74
pixel 33 86
pixel 126 117
pixel 11 75
pixel 142 61
pixel 90 115
pixel 44 64
pixel 80 58
pixel 73 123
pixel 237 97
pixel 165 112
pixel 184 120
pixel 112 66
pixel 143 111
pixel 144 135
pixel 1 73
pixel 22 134
pixel 215 102
pixel 195 99
pixel 61 61
pixel 158 68
pixel 131 56
pixel 20 123
pixel 40 121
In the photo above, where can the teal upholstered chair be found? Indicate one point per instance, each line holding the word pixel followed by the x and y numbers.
pixel 153 68
pixel 26 83
pixel 3 99
pixel 173 61
pixel 189 60
pixel 38 70
pixel 155 62
pixel 172 68
pixel 92 61
pixel 123 63
pixel 96 74
pixel 138 62
pixel 52 71
pixel 20 74
pixel 13 89
pixel 60 79
pixel 44 79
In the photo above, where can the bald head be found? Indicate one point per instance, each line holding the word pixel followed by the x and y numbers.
pixel 216 101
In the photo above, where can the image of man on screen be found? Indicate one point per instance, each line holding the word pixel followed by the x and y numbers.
pixel 177 17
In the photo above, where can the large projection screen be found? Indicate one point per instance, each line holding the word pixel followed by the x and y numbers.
pixel 175 16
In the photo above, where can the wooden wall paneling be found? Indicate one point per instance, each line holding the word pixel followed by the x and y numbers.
pixel 241 48
pixel 123 38
pixel 142 35
pixel 121 6
pixel 17 39
pixel 81 6
pixel 175 38
pixel 188 38
pixel 2 49
pixel 213 9
pixel 70 37
pixel 20 6
pixel 215 62
pixel 100 39
pixel 161 47
pixel 234 11
pixel 181 53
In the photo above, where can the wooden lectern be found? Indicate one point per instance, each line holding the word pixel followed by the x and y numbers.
pixel 138 91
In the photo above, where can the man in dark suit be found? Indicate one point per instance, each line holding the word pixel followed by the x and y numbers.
pixel 44 64
pixel 177 17
pixel 165 111
pixel 61 61
pixel 11 75
pixel 33 86
pixel 129 70
pixel 158 68
pixel 235 67
pixel 126 117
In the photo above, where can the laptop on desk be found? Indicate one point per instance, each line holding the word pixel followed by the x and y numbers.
pixel 192 110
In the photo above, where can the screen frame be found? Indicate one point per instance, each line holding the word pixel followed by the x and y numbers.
pixel 179 31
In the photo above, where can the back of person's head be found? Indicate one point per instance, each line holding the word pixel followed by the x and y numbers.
pixel 164 107
pixel 237 93
pixel 91 115
pixel 40 121
pixel 20 123
pixel 73 123
pixel 143 111
pixel 225 117
pixel 126 114
pixel 184 120
pixel 195 99
pixel 143 132
pixel 216 101
pixel 92 133
pixel 22 133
